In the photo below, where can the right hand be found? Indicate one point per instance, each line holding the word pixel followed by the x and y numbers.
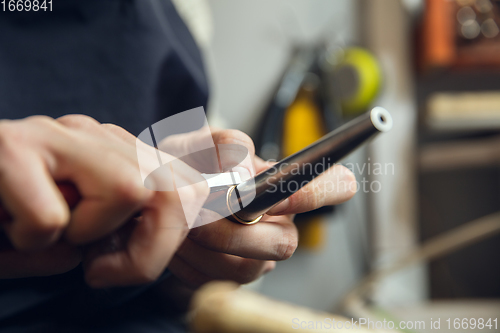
pixel 101 161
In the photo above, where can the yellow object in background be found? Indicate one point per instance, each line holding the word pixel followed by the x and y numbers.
pixel 312 233
pixel 303 125
pixel 359 79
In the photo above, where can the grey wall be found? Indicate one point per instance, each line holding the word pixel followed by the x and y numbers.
pixel 251 43
pixel 249 48
pixel 246 45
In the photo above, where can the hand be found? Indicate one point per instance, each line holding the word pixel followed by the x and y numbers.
pixel 225 250
pixel 101 161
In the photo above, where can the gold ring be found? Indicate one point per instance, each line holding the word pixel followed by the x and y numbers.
pixel 235 217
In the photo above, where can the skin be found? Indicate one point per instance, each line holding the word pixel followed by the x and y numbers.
pixel 101 160
pixel 225 250
pixel 117 248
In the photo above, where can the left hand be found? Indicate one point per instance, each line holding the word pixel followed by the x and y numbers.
pixel 101 161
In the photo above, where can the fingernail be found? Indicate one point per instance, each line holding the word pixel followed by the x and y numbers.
pixel 280 208
pixel 270 266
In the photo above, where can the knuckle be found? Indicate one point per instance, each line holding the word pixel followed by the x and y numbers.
pixel 42 128
pixel 117 130
pixel 111 127
pixel 120 131
pixel 51 220
pixel 40 230
pixel 5 126
pixel 6 134
pixel 287 246
pixel 131 192
pixel 11 135
pixel 19 131
pixel 78 121
pixel 41 120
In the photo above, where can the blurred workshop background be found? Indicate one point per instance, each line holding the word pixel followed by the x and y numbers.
pixel 287 71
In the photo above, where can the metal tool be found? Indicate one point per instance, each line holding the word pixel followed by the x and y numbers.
pixel 247 202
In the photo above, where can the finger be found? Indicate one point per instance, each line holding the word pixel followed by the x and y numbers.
pixel 91 126
pixel 336 185
pixel 231 136
pixel 195 148
pixel 116 137
pixel 68 191
pixel 220 265
pixel 107 205
pixel 232 148
pixel 236 152
pixel 110 201
pixel 261 165
pixel 276 240
pixel 116 198
pixel 120 132
pixel 37 208
pixel 152 244
pixel 103 167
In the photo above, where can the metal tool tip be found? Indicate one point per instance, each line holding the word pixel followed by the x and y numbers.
pixel 381 119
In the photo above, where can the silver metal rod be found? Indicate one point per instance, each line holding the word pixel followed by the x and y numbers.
pixel 251 199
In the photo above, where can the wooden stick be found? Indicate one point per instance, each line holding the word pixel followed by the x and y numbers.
pixel 222 307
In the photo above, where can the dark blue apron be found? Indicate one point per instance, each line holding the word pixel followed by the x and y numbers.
pixel 126 62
